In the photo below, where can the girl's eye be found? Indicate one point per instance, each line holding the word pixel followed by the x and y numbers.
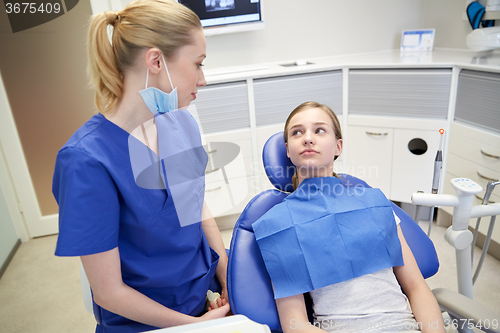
pixel 320 130
pixel 296 132
pixel 200 65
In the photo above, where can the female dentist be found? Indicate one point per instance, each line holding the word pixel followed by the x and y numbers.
pixel 147 267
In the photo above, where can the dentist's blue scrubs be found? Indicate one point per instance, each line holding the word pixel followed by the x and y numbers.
pixel 101 208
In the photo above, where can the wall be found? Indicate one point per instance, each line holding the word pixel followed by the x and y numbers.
pixel 44 73
pixel 8 235
pixel 446 17
pixel 301 29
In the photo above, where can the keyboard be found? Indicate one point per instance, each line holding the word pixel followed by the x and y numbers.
pixel 234 69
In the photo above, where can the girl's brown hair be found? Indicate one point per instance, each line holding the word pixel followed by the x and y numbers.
pixel 313 105
pixel 164 24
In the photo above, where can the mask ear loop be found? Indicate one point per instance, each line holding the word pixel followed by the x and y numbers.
pixel 168 74
pixel 147 78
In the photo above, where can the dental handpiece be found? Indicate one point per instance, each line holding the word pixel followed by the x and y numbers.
pixel 489 188
pixel 438 164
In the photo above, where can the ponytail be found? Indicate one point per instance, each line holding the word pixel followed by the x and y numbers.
pixel 103 67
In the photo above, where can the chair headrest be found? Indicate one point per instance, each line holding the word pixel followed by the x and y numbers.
pixel 279 168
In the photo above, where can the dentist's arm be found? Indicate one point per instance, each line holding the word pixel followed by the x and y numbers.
pixel 111 293
pixel 214 239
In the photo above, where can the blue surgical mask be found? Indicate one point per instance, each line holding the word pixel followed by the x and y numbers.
pixel 159 101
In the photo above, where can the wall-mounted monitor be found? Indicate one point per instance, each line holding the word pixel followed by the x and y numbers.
pixel 227 16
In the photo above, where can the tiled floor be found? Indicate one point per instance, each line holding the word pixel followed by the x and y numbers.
pixel 41 293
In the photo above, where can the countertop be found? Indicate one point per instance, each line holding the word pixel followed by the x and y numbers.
pixel 439 58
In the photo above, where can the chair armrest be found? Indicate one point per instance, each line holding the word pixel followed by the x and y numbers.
pixel 461 307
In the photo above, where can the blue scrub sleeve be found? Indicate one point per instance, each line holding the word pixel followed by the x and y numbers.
pixel 88 201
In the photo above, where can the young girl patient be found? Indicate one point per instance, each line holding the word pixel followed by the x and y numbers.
pixel 344 246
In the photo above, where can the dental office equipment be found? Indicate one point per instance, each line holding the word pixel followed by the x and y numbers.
pixel 458 235
pixel 438 165
pixel 489 188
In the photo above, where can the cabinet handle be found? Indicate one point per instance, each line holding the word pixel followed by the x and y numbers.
pixel 490 155
pixel 487 178
pixel 212 151
pixel 207 172
pixel 377 134
pixel 213 189
pixel 481 199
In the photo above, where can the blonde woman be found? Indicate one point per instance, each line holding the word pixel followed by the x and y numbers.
pixel 147 269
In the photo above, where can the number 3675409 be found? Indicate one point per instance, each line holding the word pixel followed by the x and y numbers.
pixel 32 8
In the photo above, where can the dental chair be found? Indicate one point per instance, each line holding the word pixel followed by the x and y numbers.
pixel 249 286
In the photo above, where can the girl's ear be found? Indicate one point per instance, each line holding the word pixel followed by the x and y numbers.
pixel 287 150
pixel 339 147
pixel 153 58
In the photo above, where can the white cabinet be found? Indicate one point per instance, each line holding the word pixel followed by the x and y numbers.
pixel 474 150
pixel 369 155
pixel 224 113
pixel 474 154
pixel 223 107
pixel 276 97
pixel 230 185
pixel 414 152
pixel 419 93
pixel 393 127
pixel 393 154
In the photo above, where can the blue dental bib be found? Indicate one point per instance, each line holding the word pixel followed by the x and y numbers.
pixel 324 233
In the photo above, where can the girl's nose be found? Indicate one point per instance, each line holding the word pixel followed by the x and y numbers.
pixel 308 139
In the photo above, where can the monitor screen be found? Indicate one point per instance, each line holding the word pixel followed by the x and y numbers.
pixel 224 16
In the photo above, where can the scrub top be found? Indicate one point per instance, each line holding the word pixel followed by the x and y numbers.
pixel 101 207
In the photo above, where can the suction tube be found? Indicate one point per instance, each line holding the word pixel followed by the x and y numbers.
pixel 489 188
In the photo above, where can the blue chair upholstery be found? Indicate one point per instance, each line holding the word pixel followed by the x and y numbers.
pixel 249 286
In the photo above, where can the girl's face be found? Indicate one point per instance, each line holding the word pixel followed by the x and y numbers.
pixel 312 145
pixel 185 69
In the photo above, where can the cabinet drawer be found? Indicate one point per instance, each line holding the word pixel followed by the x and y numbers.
pixel 476 146
pixel 480 153
pixel 462 168
pixel 229 186
pixel 242 138
pixel 276 97
pixel 478 99
pixel 230 198
pixel 223 107
pixel 421 93
pixel 369 156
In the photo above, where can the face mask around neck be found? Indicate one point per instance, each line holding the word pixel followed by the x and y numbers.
pixel 159 101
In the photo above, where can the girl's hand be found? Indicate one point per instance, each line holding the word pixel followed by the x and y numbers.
pixel 219 302
pixel 214 312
